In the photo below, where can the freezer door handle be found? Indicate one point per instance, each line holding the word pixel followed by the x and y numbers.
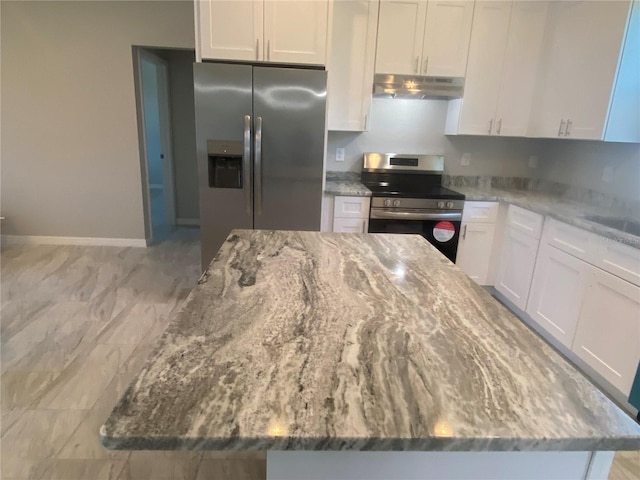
pixel 246 160
pixel 258 165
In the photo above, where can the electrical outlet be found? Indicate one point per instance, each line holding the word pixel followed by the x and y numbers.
pixel 533 161
pixel 607 174
pixel 466 160
pixel 339 154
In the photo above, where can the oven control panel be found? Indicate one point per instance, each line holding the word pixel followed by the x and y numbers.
pixel 382 202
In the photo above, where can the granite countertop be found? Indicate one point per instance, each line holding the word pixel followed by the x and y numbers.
pixel 565 210
pixel 346 184
pixel 333 341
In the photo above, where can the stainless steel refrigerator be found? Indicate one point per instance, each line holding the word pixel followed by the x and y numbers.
pixel 260 147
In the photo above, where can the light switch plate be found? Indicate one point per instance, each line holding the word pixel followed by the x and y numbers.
pixel 533 161
pixel 466 160
pixel 607 174
pixel 339 154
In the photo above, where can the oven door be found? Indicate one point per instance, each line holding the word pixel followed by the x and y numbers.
pixel 441 229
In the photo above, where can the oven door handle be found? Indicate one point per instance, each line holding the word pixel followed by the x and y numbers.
pixel 392 215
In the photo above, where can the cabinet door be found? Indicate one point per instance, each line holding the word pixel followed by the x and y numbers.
pixel 486 55
pixel 400 36
pixel 524 43
pixel 608 333
pixel 350 225
pixel 231 30
pixel 557 292
pixel 351 61
pixel 474 250
pixel 515 267
pixel 578 66
pixel 446 38
pixel 296 31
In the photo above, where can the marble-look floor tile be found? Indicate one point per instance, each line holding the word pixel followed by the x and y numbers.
pixel 85 380
pixel 17 314
pixel 136 360
pixel 20 389
pixel 9 417
pixel 138 323
pixel 147 465
pixel 241 469
pixel 85 441
pixel 77 469
pixel 40 433
pixel 626 466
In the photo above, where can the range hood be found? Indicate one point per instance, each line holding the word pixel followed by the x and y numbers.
pixel 417 87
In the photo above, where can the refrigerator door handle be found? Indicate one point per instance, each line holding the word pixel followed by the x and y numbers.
pixel 257 179
pixel 246 160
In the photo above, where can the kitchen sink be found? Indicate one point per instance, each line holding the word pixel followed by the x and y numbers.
pixel 618 223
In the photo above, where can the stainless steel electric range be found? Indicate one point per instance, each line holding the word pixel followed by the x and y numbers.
pixel 408 197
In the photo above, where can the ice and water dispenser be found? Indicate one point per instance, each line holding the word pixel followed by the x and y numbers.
pixel 225 163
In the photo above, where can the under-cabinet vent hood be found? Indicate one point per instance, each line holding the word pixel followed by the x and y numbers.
pixel 416 87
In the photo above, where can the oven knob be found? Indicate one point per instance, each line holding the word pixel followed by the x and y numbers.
pixel 440 204
pixel 387 203
pixel 396 203
pixel 449 204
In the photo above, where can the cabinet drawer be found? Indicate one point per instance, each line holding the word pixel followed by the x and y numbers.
pixel 480 212
pixel 617 258
pixel 524 221
pixel 350 225
pixel 351 207
pixel 569 239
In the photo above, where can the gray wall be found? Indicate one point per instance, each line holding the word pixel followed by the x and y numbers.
pixel 417 126
pixel 70 158
pixel 183 129
pixel 582 163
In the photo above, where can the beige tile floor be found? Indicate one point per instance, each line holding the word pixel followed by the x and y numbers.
pixel 76 324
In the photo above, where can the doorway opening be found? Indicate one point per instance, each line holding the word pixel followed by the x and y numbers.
pixel 166 130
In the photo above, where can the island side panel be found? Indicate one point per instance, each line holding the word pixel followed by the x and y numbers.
pixel 351 465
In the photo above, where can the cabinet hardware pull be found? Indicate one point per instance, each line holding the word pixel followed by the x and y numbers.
pixel 257 49
pixel 464 233
pixel 567 131
pixel 490 126
pixel 425 66
pixel 366 122
pixel 561 129
pixel 415 67
pixel 499 126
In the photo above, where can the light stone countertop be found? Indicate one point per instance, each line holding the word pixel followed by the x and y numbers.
pixel 345 184
pixel 334 341
pixel 562 209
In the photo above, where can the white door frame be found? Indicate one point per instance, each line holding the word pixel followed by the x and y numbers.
pixel 165 135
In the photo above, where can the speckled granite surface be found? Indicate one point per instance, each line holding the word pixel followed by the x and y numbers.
pixel 345 183
pixel 333 341
pixel 555 206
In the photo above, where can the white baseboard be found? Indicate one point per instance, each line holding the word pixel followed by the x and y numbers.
pixel 91 241
pixel 188 222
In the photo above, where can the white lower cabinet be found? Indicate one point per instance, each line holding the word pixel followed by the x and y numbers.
pixel 557 292
pixel 515 266
pixel 607 336
pixel 350 225
pixel 474 250
pixel 351 214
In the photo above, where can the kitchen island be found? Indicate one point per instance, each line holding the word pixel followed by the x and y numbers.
pixel 363 356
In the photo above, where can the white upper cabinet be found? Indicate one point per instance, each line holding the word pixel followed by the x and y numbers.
pixel 446 38
pixel 424 37
pixel 580 63
pixel 296 31
pixel 350 64
pixel 231 30
pixel 400 36
pixel 263 30
pixel 506 40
